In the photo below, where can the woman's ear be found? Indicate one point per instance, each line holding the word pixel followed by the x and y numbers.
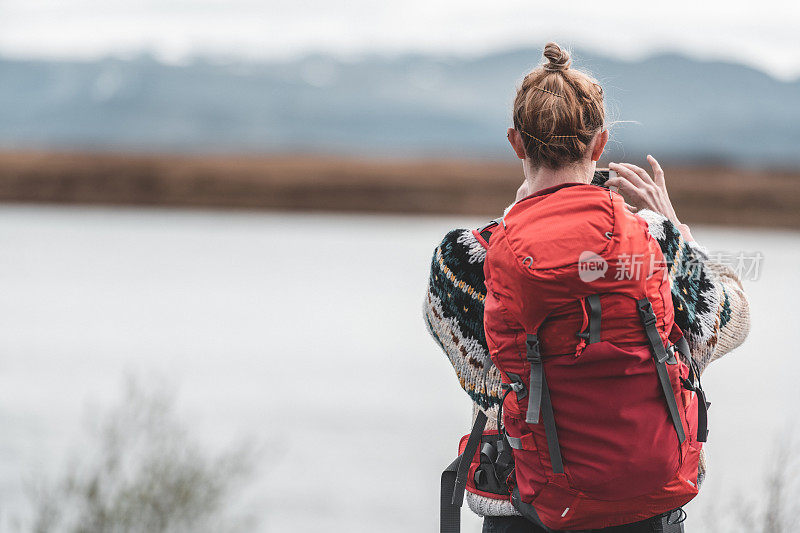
pixel 515 139
pixel 599 145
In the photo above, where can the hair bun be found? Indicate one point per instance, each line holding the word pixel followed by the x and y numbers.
pixel 557 58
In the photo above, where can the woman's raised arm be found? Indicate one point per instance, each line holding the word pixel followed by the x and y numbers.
pixel 453 312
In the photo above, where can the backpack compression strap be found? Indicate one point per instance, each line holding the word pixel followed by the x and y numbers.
pixel 454 480
pixel 661 357
pixel 693 384
pixel 539 401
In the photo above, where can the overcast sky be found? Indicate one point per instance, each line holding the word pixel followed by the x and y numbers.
pixel 762 33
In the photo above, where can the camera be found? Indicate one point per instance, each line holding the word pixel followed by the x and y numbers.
pixel 601 176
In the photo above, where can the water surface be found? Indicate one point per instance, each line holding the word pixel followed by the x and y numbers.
pixel 304 331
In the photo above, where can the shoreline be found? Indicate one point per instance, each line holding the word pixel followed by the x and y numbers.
pixel 709 194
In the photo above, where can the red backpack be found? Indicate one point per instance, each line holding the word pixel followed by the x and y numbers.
pixel 601 423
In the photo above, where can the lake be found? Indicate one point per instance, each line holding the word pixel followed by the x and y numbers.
pixel 305 332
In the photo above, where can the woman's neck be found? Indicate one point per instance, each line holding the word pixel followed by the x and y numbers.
pixel 542 178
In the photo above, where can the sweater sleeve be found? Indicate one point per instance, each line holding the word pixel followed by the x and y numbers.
pixel 710 304
pixel 453 312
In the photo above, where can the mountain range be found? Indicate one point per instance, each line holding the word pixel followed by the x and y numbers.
pixel 405 105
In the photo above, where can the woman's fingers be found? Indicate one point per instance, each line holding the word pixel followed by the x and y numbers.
pixel 640 172
pixel 627 188
pixel 658 173
pixel 628 174
pixel 641 190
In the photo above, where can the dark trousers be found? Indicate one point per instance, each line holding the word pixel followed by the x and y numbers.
pixel 518 524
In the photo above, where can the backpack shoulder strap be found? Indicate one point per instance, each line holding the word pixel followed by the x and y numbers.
pixel 454 480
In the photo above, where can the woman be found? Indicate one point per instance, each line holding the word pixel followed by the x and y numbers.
pixel 559 135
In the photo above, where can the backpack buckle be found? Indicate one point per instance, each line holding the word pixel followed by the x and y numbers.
pixel 646 313
pixel 516 385
pixel 671 359
pixel 532 354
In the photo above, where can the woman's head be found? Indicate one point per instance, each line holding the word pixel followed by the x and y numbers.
pixel 558 112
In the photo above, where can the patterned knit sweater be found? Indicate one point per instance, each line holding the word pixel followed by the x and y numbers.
pixel 710 308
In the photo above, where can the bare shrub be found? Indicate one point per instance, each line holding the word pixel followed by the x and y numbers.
pixel 146 474
pixel 773 507
pixel 780 514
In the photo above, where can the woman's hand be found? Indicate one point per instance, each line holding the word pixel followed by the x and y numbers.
pixel 645 192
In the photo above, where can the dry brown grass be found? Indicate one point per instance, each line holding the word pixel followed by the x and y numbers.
pixel 708 194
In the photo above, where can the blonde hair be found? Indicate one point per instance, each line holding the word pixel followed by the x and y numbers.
pixel 558 111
